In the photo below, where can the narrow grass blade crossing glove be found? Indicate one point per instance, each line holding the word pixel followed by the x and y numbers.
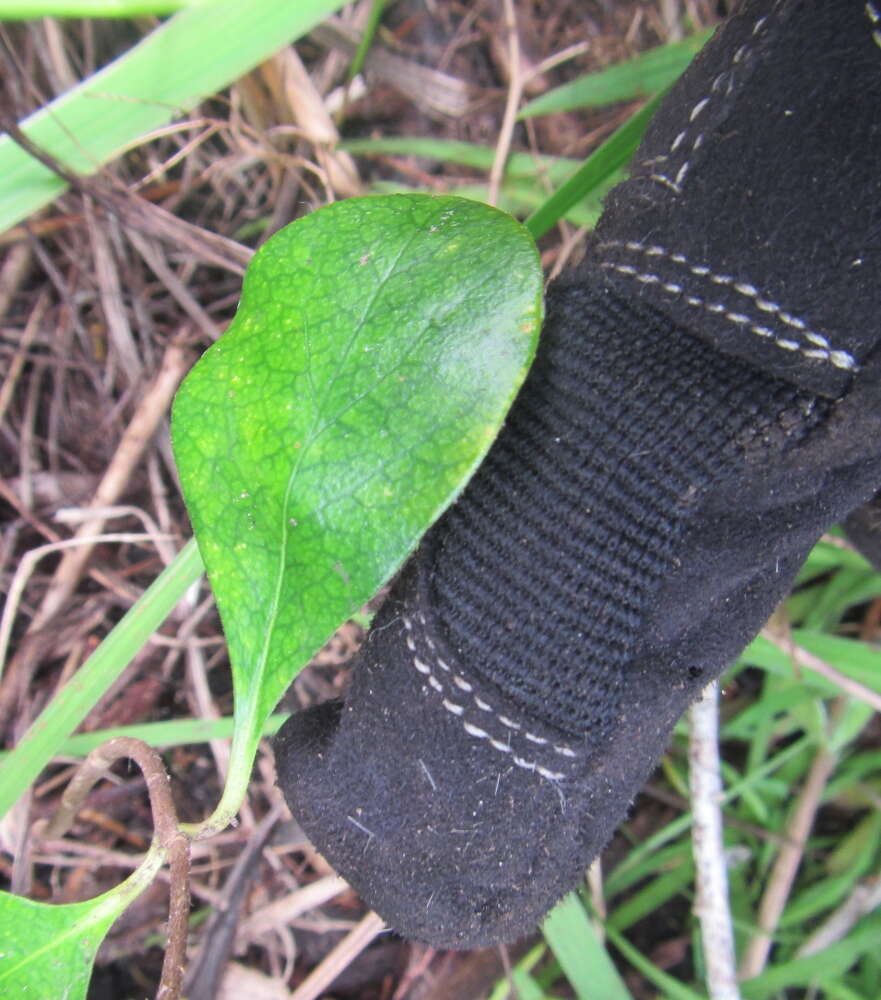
pixel 705 401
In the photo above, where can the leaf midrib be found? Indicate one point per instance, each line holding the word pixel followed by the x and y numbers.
pixel 257 684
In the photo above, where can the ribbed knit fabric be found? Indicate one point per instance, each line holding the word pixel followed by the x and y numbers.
pixel 705 402
pixel 524 674
pixel 541 577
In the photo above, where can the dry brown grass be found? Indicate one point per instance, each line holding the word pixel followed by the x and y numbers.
pixel 106 298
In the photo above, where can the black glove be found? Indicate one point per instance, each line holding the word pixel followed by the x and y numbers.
pixel 706 400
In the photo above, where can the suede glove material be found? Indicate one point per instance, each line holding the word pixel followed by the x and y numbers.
pixel 661 477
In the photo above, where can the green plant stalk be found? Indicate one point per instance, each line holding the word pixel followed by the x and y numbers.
pixel 169 733
pixel 246 738
pixel 613 153
pixel 373 19
pixel 77 698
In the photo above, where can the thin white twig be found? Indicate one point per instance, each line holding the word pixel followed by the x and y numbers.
pixel 597 895
pixel 864 898
pixel 76 515
pixel 29 561
pixel 339 958
pixel 805 658
pixel 711 904
pixel 786 865
pixel 137 435
pixel 283 911
pixel 515 90
pixel 564 55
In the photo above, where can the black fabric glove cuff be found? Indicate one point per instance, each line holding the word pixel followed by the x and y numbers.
pixel 753 209
pixel 431 793
pixel 502 715
pixel 704 403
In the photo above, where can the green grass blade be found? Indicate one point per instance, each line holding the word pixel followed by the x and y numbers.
pixel 373 19
pixel 830 989
pixel 596 169
pixel 620 877
pixel 195 53
pixel 653 896
pixel 76 699
pixel 465 154
pixel 642 76
pixel 582 957
pixel 852 657
pixel 170 733
pixel 672 988
pixel 830 962
pixel 27 10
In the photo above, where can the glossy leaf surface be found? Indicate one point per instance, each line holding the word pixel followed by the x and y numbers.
pixel 48 950
pixel 377 347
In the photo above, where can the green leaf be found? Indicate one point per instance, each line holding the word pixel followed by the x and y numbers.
pixel 48 951
pixel 641 76
pixel 521 198
pixel 377 347
pixel 573 940
pixel 197 52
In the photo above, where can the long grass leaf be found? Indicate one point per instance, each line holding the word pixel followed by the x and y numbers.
pixel 807 971
pixel 642 76
pixel 195 53
pixel 465 154
pixel 167 733
pixel 581 955
pixel 595 170
pixel 80 694
pixel 27 10
pixel 672 988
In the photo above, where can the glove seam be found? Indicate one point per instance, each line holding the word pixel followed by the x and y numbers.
pixel 822 349
pixel 740 57
pixel 458 711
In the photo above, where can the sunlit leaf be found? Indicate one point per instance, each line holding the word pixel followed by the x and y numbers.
pixel 377 347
